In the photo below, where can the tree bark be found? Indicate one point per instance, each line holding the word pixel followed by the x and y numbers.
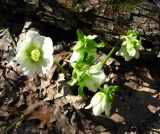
pixel 107 18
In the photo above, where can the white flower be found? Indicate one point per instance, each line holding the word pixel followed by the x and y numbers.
pixel 34 53
pixel 74 56
pixel 100 104
pixel 97 77
pixel 130 46
pixel 128 55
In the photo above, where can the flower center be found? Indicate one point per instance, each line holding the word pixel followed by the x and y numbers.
pixel 35 54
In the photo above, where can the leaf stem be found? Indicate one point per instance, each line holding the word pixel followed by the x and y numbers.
pixel 62 70
pixel 111 52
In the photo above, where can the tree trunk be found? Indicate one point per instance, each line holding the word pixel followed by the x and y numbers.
pixel 107 18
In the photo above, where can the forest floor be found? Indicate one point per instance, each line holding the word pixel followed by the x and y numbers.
pixel 45 104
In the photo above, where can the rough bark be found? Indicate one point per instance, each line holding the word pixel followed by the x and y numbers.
pixel 108 18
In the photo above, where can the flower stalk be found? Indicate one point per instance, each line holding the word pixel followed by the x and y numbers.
pixel 62 70
pixel 111 52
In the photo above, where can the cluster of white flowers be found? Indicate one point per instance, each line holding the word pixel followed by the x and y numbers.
pixel 34 53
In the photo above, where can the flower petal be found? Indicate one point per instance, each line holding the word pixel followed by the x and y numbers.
pixel 95 68
pixel 99 77
pixel 108 108
pixel 104 103
pixel 96 99
pixel 47 64
pixel 35 38
pixel 97 110
pixel 90 84
pixel 137 55
pixel 47 47
pixel 74 56
pixel 88 107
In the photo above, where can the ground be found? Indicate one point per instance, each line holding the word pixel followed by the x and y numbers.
pixel 46 104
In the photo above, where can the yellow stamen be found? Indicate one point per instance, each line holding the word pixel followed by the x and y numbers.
pixel 35 54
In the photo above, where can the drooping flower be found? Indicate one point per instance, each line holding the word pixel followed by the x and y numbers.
pixel 130 46
pixel 100 104
pixel 34 53
pixel 96 77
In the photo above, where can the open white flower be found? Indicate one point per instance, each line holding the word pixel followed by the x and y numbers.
pixel 100 104
pixel 34 53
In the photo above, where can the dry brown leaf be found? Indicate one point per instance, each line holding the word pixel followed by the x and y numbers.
pixel 77 101
pixel 44 113
pixel 65 126
pixel 50 92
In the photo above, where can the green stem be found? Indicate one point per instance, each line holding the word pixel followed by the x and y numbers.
pixel 62 70
pixel 111 52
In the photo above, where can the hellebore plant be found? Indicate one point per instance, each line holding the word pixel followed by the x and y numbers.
pixel 88 72
pixel 130 46
pixel 34 53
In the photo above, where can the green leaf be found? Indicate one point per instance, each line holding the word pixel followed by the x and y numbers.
pixel 132 33
pixel 109 90
pixel 78 45
pixel 101 45
pixel 80 35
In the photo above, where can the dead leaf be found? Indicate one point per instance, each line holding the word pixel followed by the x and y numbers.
pixel 50 92
pixel 44 113
pixel 77 101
